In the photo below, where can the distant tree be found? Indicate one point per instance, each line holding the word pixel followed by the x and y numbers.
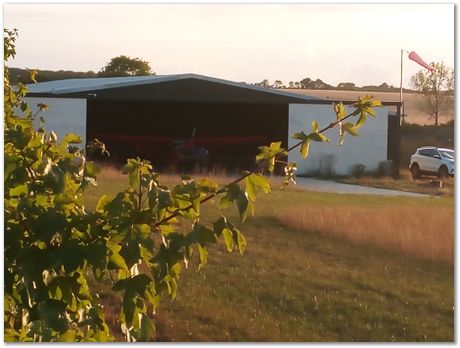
pixel 264 83
pixel 297 85
pixel 126 66
pixel 435 86
pixel 308 83
pixel 319 84
pixel 278 84
pixel 291 84
pixel 346 85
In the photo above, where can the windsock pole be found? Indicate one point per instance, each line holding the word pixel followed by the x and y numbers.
pixel 401 89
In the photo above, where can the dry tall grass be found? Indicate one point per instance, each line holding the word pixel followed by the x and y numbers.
pixel 418 231
pixel 426 184
pixel 113 174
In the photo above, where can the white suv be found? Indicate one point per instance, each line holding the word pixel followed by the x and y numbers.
pixel 432 161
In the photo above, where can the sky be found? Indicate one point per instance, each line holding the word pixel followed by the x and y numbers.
pixel 358 43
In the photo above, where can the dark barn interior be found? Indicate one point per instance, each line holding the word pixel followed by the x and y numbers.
pixel 187 122
pixel 172 134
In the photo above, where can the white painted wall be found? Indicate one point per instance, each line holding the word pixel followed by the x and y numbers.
pixel 64 115
pixel 369 148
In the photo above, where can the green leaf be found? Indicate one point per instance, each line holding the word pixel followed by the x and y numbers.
pixel 203 235
pixel 314 126
pixel 153 196
pixel 231 193
pixel 33 74
pixel 340 111
pixel 147 329
pixel 364 107
pixel 68 336
pixel 228 238
pixel 116 261
pixel 268 154
pixel 304 149
pixel 11 335
pixel 136 284
pixel 164 198
pixel 128 307
pixel 203 253
pixel 91 170
pixel 171 285
pixel 241 241
pixel 350 128
pixel 52 313
pixel 318 137
pixel 142 230
pixel 19 190
pixel 132 169
pixel 361 120
pixel 219 225
pixel 207 186
pixel 271 164
pixel 242 203
pixel 102 203
pixel 254 182
pixel 131 252
pixel 301 136
pixel 64 202
pixel 251 189
pixel 71 138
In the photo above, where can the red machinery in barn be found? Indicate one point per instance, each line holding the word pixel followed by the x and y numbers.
pixel 185 154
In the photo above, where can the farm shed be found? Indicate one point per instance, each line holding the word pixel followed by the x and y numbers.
pixel 162 117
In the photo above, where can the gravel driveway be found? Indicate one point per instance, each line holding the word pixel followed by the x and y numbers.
pixel 336 187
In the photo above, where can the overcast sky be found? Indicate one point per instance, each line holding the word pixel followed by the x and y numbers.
pixel 359 43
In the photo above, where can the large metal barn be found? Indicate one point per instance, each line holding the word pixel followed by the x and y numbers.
pixel 179 121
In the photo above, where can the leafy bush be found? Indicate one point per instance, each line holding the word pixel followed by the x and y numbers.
pixel 385 168
pixel 358 170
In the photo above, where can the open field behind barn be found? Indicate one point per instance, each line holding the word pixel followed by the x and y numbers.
pixel 411 102
pixel 318 267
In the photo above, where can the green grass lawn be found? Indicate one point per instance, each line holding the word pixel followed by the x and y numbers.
pixel 299 285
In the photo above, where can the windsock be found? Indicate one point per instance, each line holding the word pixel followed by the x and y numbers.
pixel 416 58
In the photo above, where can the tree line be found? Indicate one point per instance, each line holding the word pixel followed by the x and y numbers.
pixel 127 66
pixel 117 66
pixel 308 83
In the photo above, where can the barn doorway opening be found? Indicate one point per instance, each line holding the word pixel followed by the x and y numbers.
pixel 184 136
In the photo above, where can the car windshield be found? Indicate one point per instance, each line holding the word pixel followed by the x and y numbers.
pixel 449 154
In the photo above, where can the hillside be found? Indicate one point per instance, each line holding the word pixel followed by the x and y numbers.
pixel 411 102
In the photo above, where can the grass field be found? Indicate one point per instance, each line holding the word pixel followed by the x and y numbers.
pixel 412 102
pixel 318 267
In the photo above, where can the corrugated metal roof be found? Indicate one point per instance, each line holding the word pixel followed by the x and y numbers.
pixel 71 86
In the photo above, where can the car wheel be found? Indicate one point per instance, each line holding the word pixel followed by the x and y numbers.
pixel 415 171
pixel 443 173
